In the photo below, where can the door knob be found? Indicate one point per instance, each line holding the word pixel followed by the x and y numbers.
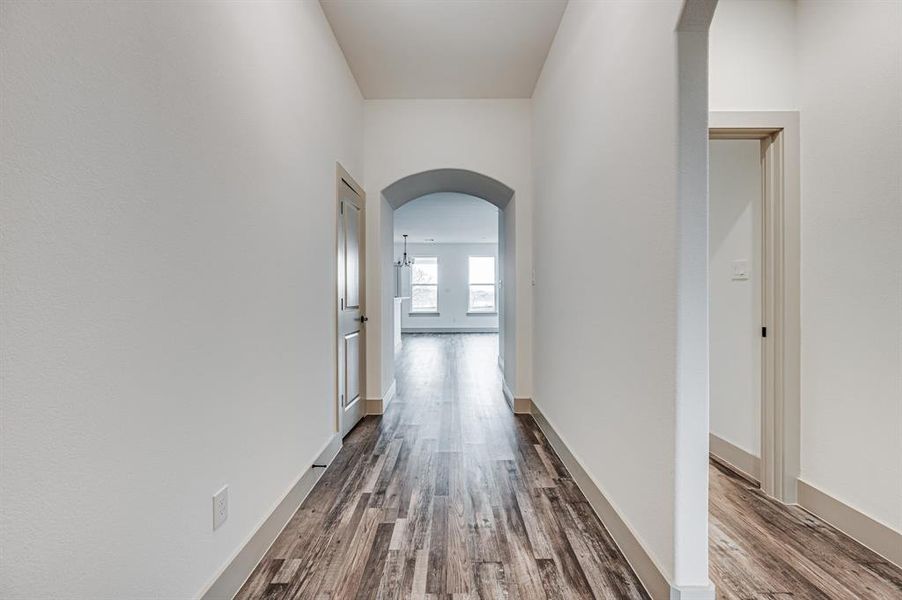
pixel 364 318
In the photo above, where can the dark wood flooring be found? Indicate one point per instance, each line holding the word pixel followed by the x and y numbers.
pixel 449 495
pixel 760 548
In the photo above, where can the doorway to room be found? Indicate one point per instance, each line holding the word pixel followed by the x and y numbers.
pixel 757 537
pixel 736 259
pixel 449 269
pixel 754 240
pixel 445 309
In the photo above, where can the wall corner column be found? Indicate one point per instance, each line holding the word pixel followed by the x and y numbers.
pixel 690 568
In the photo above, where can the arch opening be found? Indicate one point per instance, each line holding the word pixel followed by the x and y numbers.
pixel 461 181
pixel 467 183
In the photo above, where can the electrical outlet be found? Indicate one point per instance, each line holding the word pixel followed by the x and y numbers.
pixel 220 507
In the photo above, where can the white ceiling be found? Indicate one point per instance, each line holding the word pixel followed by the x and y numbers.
pixel 449 218
pixel 445 48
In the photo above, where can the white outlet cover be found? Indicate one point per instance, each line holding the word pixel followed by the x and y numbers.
pixel 220 507
pixel 740 270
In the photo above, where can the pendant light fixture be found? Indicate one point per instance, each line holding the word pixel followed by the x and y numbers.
pixel 405 260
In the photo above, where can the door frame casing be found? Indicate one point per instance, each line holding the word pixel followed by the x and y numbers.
pixel 778 132
pixel 342 177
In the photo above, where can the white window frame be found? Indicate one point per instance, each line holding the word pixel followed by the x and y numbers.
pixel 428 311
pixel 493 283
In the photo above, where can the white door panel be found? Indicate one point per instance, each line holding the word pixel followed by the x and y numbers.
pixel 351 318
pixel 352 368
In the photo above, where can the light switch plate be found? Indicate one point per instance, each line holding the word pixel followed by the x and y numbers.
pixel 220 507
pixel 740 270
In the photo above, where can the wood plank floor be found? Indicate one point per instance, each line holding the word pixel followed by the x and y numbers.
pixel 448 495
pixel 760 548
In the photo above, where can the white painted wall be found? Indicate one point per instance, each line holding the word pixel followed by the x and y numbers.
pixel 492 137
pixel 167 206
pixel 848 87
pixel 753 56
pixel 453 273
pixel 735 303
pixel 850 57
pixel 605 117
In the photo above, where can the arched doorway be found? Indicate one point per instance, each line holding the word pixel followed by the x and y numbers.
pixel 470 183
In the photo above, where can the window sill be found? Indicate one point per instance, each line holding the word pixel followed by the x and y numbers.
pixel 478 313
pixel 425 313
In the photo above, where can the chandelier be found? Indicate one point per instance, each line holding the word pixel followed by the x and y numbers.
pixel 404 261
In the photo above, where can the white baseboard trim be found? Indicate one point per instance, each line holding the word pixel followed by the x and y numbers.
pixel 449 330
pixel 241 565
pixel 522 406
pixel 880 538
pixel 692 592
pixel 519 406
pixel 733 457
pixel 650 575
pixel 390 394
pixel 377 406
pixel 508 394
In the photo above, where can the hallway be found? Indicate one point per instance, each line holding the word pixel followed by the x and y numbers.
pixel 448 493
pixel 622 236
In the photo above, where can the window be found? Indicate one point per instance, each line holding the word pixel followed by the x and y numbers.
pixel 482 284
pixel 424 284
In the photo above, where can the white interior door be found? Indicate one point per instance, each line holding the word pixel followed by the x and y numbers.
pixel 351 315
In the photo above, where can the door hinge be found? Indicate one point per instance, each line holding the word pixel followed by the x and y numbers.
pixel 764 332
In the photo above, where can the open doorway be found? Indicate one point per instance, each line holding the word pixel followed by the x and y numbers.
pixel 757 536
pixel 445 309
pixel 463 281
pixel 754 297
pixel 735 307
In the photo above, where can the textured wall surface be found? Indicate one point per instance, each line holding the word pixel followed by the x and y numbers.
pixel 168 217
pixel 850 57
pixel 605 232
